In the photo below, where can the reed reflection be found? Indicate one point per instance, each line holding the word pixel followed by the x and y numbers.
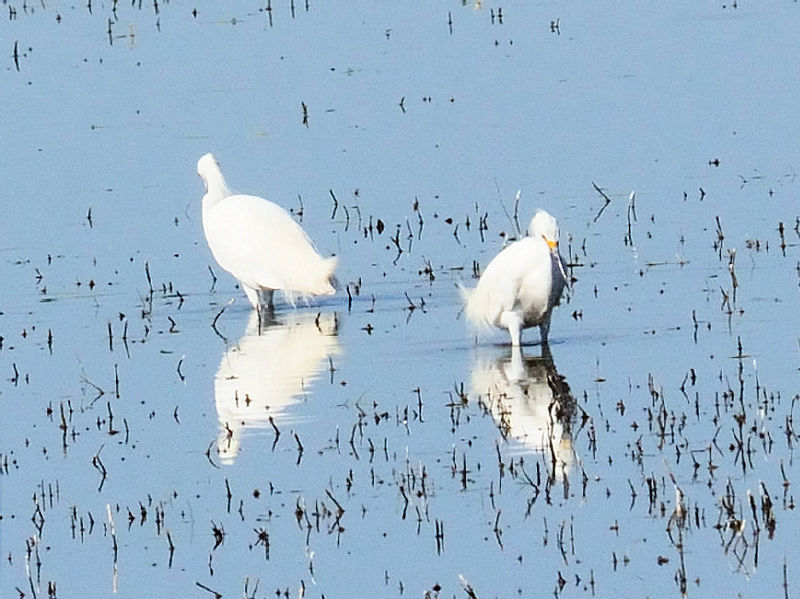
pixel 531 404
pixel 268 371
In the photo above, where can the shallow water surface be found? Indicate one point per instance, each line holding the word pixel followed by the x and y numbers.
pixel 369 444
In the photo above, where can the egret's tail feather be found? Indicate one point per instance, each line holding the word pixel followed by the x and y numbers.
pixel 475 302
pixel 311 279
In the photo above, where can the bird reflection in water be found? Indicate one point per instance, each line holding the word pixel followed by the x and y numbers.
pixel 272 367
pixel 531 405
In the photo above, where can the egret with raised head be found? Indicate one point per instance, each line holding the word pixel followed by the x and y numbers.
pixel 522 284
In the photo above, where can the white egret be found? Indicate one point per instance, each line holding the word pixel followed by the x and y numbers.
pixel 260 244
pixel 521 284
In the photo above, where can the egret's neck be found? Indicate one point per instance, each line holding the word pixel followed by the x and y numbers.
pixel 217 189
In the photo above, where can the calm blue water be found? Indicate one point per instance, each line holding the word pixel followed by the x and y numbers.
pixel 402 456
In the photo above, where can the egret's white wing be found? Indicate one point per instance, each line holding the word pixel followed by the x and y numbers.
pixel 258 242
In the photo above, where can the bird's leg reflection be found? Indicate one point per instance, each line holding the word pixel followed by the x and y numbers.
pixel 261 299
pixel 266 315
pixel 265 299
pixel 274 364
pixel 531 404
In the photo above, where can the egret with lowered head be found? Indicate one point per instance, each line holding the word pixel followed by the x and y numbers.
pixel 260 244
pixel 521 284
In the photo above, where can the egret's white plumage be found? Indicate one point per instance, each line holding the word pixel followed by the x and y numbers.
pixel 259 243
pixel 522 283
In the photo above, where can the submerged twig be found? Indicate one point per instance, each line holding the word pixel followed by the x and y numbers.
pixel 607 199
